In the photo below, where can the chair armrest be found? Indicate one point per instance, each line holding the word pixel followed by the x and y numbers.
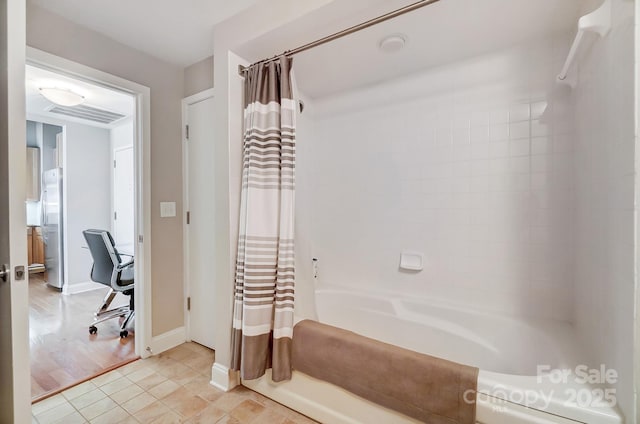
pixel 114 276
pixel 125 265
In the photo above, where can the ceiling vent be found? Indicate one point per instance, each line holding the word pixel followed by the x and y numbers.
pixel 88 113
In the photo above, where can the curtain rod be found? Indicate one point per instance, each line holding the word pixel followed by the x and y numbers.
pixel 345 32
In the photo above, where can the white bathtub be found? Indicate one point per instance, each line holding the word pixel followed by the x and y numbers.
pixel 507 350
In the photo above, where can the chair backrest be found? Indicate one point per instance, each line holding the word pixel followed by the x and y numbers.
pixel 105 256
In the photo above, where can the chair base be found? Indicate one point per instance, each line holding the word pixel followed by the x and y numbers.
pixel 104 313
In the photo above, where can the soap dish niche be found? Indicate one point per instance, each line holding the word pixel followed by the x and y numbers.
pixel 411 261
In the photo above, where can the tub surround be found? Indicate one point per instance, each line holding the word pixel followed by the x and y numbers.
pixel 423 387
pixel 453 162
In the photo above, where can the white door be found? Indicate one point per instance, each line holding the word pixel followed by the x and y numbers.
pixel 123 196
pixel 200 244
pixel 15 405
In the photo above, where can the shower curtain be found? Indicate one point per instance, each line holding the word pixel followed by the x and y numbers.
pixel 264 279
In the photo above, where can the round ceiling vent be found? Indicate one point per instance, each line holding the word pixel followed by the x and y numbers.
pixel 393 43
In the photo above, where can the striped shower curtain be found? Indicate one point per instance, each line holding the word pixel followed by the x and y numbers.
pixel 264 280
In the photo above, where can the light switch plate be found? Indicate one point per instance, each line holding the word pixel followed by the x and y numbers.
pixel 167 209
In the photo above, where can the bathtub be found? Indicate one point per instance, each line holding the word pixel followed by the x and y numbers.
pixel 508 352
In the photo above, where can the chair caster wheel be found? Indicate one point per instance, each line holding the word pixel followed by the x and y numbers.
pixel 93 330
pixel 124 334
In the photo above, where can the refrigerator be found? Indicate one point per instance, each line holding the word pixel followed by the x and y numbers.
pixel 52 226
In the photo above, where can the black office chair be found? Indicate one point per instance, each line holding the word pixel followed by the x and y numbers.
pixel 108 269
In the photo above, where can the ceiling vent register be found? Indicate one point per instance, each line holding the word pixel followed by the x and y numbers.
pixel 88 113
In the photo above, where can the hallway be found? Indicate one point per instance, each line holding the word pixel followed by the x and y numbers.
pixel 62 350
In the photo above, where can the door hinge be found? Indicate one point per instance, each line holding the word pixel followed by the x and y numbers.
pixel 188 303
pixel 115 216
pixel 114 163
pixel 186 129
pixel 140 238
pixel 188 217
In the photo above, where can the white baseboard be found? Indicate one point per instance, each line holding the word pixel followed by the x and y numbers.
pixel 81 287
pixel 223 378
pixel 168 340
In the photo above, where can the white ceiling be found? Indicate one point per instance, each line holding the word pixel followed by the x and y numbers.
pixel 441 33
pixel 177 31
pixel 96 96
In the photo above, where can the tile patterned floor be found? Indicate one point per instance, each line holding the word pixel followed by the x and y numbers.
pixel 172 387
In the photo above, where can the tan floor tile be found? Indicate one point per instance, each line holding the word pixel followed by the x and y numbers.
pixel 179 353
pixel 55 414
pixel 161 363
pixel 151 360
pixel 247 410
pixel 139 402
pixel 174 370
pixel 133 366
pixel 129 420
pixel 98 408
pixel 202 387
pixel 179 377
pixel 301 419
pixel 111 416
pixel 116 385
pixel 140 374
pixel 229 400
pixel 164 389
pixel 74 418
pixel 87 399
pixel 228 419
pixel 48 403
pixel 186 376
pixel 127 394
pixel 200 364
pixel 151 381
pixel 152 411
pixel 185 403
pixel 168 418
pixel 79 390
pixel 269 416
pixel 199 349
pixel 263 400
pixel 209 415
pixel 107 378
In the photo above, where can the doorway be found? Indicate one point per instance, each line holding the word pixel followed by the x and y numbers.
pixel 94 194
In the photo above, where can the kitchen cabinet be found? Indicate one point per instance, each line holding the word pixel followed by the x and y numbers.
pixel 35 249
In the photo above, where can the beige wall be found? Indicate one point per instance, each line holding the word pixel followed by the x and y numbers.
pixel 198 77
pixel 58 36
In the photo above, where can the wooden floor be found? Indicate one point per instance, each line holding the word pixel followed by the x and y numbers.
pixel 62 350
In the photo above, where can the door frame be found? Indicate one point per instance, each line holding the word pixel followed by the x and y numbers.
pixel 142 158
pixel 186 102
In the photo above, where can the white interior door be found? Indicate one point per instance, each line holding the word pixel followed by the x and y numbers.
pixel 199 196
pixel 15 405
pixel 123 196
